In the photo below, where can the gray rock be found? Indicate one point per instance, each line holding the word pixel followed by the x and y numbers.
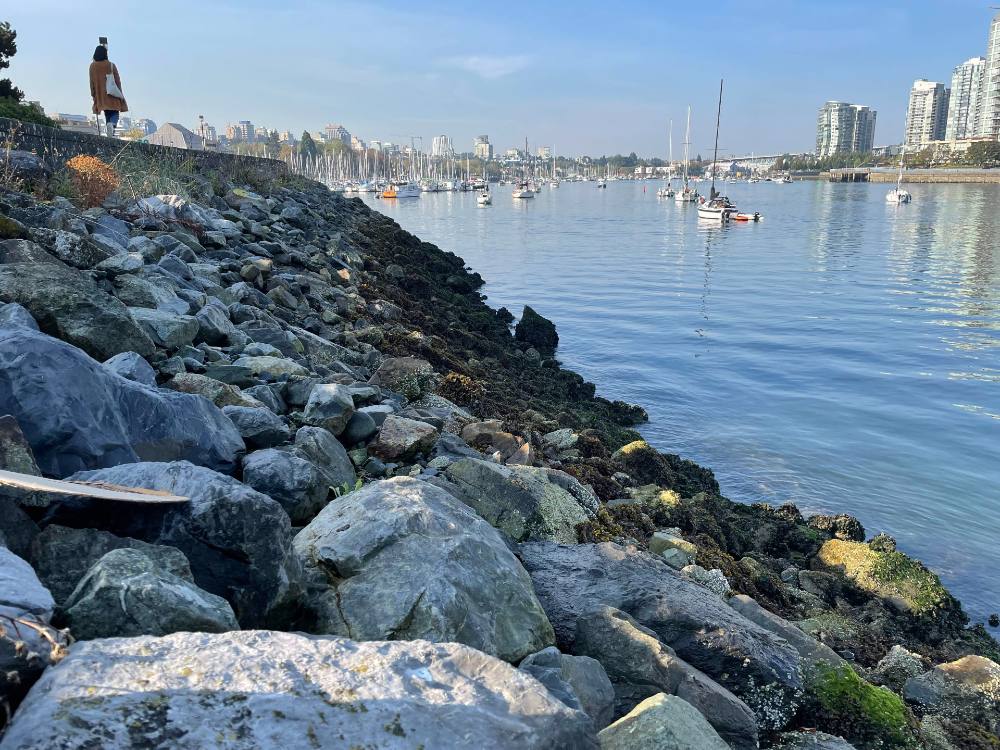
pixel 378 412
pixel 219 393
pixel 402 439
pixel 132 366
pixel 407 375
pixel 117 265
pixel 62 555
pixel 78 415
pixel 812 651
pixel 578 681
pixel 325 452
pixel 155 292
pixel 300 487
pixel 360 428
pixel 166 329
pixel 262 689
pixel 126 594
pixel 662 722
pixel 525 503
pixel 763 670
pixel 896 667
pixel 267 396
pixel 330 406
pixel 73 249
pixel 965 689
pixel 812 741
pixel 12 315
pixel 403 559
pixel 276 366
pixel 259 426
pixel 640 665
pixel 214 326
pixel 112 229
pixel 237 540
pixel 66 303
pixel 714 580
pixel 28 643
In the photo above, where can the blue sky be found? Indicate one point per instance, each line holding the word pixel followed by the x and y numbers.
pixel 587 77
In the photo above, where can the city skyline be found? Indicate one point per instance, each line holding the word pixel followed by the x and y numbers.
pixel 611 101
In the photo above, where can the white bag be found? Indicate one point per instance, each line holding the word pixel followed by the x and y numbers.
pixel 111 86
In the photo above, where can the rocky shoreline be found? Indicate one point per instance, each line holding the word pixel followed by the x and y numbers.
pixel 407 525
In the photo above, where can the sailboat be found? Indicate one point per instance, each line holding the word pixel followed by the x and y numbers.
pixel 717 207
pixel 667 191
pixel 554 182
pixel 686 194
pixel 525 188
pixel 898 195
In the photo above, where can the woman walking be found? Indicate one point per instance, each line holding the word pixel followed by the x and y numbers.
pixel 106 89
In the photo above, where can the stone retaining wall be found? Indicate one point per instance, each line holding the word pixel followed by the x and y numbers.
pixel 57 146
pixel 989 176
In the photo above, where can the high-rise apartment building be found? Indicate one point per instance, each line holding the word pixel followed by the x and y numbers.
pixel 964 108
pixel 927 114
pixel 336 133
pixel 441 146
pixel 844 128
pixel 989 113
pixel 482 147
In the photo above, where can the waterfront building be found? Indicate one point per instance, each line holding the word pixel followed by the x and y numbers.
pixel 927 113
pixel 966 96
pixel 441 146
pixel 357 144
pixel 207 133
pixel 544 152
pixel 147 126
pixel 989 117
pixel 74 123
pixel 375 145
pixel 514 154
pixel 177 136
pixel 241 132
pixel 844 128
pixel 333 133
pixel 287 136
pixel 482 147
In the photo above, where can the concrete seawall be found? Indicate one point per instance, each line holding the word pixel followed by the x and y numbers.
pixel 915 176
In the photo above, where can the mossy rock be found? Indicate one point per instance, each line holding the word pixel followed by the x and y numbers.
pixel 872 718
pixel 646 465
pixel 11 229
pixel 900 580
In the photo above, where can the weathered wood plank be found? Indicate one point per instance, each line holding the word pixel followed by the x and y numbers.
pixel 96 490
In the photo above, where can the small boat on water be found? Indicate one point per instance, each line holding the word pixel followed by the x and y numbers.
pixel 523 190
pixel 716 207
pixel 602 183
pixel 484 198
pixel 686 194
pixel 897 195
pixel 401 190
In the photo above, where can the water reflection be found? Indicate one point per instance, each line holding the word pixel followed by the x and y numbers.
pixel 841 354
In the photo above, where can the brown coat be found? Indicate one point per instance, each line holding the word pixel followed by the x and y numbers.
pixel 99 89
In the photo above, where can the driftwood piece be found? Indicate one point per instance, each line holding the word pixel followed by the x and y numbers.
pixel 96 490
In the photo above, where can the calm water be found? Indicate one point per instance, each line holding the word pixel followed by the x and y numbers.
pixel 843 354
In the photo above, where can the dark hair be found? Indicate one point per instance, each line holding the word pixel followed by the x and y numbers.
pixel 101 53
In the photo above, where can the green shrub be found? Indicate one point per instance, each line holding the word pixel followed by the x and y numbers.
pixel 24 112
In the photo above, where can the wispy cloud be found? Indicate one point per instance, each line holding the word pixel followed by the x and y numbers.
pixel 490 66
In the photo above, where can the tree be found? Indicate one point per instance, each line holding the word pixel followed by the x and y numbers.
pixel 8 48
pixel 307 146
pixel 984 154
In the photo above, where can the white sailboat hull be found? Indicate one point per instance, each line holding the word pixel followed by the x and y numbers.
pixel 898 196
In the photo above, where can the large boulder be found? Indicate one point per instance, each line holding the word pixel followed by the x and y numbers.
pixel 403 559
pixel 166 329
pixel 330 406
pixel 62 556
pixel 127 594
pixel 219 393
pixel 296 483
pixel 662 722
pixel 762 669
pixel 524 502
pixel 640 665
pixel 237 540
pixel 812 741
pixel 407 375
pixel 536 331
pixel 966 689
pixel 578 681
pixel 28 643
pixel 79 415
pixel 262 689
pixel 259 426
pixel 324 451
pixel 401 439
pixel 67 303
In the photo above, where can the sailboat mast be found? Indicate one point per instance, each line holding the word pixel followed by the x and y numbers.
pixel 687 144
pixel 718 119
pixel 670 153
